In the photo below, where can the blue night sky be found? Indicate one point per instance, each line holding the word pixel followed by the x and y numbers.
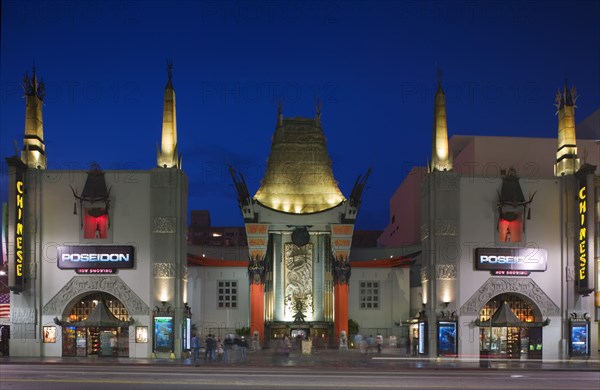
pixel 373 65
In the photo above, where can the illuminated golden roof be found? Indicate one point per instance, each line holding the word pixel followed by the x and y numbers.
pixel 299 178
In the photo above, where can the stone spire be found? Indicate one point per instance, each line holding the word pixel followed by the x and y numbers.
pixel 167 155
pixel 441 160
pixel 34 150
pixel 567 162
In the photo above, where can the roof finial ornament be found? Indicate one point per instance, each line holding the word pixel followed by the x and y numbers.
pixel 318 107
pixel 280 111
pixel 32 86
pixel 170 68
pixel 558 101
pixel 439 75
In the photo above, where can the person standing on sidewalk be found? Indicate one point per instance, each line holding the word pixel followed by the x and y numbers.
pixel 379 342
pixel 210 348
pixel 286 346
pixel 195 347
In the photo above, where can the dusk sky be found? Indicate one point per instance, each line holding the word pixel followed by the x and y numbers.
pixel 373 65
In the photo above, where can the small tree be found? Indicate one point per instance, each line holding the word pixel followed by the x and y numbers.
pixel 352 327
pixel 243 331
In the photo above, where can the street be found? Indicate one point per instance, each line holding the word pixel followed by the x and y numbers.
pixel 91 377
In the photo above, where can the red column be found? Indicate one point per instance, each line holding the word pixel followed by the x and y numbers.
pixel 340 309
pixel 257 310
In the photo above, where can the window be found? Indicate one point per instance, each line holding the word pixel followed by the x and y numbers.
pixel 369 295
pixel 227 295
pixel 510 230
pixel 95 223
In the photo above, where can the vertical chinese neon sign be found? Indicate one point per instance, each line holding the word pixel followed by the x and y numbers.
pixel 584 284
pixel 19 227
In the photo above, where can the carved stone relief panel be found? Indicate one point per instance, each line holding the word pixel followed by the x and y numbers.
pixel 446 272
pixel 424 273
pixel 164 225
pixel 164 270
pixel 298 278
pixel 19 315
pixel 445 227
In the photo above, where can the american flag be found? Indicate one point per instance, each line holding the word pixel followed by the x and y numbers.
pixel 5 305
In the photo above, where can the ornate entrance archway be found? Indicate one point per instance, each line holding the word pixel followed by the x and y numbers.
pixel 510 327
pixel 98 326
pixel 69 307
pixel 519 326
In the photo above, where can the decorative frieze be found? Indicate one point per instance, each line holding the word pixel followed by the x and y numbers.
pixel 445 227
pixel 164 270
pixel 81 285
pixel 446 272
pixel 495 286
pixel 164 225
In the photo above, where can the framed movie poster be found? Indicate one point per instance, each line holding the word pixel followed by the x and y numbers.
pixel 141 334
pixel 447 338
pixel 49 334
pixel 579 338
pixel 163 334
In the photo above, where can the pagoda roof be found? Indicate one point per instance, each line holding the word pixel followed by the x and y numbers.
pixel 299 178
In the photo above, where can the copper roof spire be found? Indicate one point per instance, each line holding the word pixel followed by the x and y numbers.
pixel 567 162
pixel 441 159
pixel 34 150
pixel 167 155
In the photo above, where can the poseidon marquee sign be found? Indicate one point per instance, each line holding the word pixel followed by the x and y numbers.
pixel 511 261
pixel 95 258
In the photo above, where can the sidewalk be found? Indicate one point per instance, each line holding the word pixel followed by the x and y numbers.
pixel 388 359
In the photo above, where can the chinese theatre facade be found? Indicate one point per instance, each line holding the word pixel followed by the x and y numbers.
pixel 509 255
pixel 97 259
pixel 299 228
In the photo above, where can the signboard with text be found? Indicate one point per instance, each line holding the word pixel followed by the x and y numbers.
pixel 584 239
pixel 510 260
pixel 95 259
